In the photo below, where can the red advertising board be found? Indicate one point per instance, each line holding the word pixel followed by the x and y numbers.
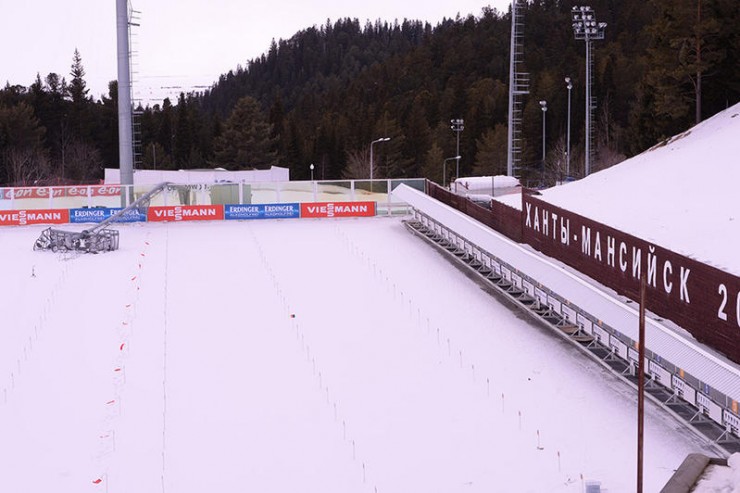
pixel 95 191
pixel 186 213
pixel 338 209
pixel 42 216
pixel 74 191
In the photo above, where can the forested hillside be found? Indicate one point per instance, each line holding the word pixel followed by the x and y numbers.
pixel 324 95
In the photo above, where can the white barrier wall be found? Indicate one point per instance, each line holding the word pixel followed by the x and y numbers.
pixel 108 196
pixel 188 177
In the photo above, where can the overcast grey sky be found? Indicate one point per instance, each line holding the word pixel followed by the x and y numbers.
pixel 181 43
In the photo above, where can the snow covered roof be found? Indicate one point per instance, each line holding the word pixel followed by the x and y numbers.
pixel 483 183
pixel 681 194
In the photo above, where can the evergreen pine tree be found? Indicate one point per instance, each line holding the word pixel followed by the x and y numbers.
pixel 432 167
pixel 491 158
pixel 245 140
pixel 77 86
pixel 183 141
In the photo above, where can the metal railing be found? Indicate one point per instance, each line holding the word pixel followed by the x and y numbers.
pixel 113 196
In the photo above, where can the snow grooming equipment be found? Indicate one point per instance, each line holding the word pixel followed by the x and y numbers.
pixel 97 239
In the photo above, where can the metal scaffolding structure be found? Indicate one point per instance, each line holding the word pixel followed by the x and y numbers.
pixel 99 238
pixel 518 87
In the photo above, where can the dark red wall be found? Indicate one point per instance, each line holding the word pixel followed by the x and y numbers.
pixel 700 295
pixel 504 219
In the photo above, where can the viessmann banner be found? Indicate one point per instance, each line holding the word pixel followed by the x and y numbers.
pixel 189 213
pixel 338 209
pixel 40 216
pixel 262 211
pixel 186 213
pixel 98 215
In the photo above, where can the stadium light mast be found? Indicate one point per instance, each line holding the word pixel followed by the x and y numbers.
pixel 587 29
pixel 569 85
pixel 458 125
pixel 543 106
pixel 125 127
pixel 444 167
pixel 372 163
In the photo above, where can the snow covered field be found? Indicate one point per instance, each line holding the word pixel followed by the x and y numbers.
pixel 295 355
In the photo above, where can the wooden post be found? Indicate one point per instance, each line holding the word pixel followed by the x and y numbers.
pixel 641 385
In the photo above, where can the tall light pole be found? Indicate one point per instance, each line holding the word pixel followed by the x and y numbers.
pixel 567 145
pixel 125 132
pixel 586 28
pixel 543 105
pixel 444 168
pixel 458 125
pixel 311 168
pixel 372 163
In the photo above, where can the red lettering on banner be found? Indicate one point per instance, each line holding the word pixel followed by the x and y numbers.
pixel 105 190
pixel 22 193
pixel 73 191
pixel 338 209
pixel 24 217
pixel 186 213
pixel 76 192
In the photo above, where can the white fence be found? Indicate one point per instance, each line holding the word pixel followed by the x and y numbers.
pixel 108 196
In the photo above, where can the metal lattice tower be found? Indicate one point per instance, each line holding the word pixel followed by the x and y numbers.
pixel 134 21
pixel 518 87
pixel 586 28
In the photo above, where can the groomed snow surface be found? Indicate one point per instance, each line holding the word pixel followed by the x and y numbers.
pixel 329 356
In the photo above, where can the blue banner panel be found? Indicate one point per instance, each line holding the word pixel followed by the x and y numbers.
pixel 132 216
pixel 100 214
pixel 262 211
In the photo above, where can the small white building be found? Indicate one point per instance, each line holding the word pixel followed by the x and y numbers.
pixel 482 188
pixel 200 176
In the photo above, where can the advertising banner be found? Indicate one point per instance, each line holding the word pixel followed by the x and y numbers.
pixel 100 214
pixel 74 191
pixel 700 298
pixel 338 209
pixel 262 211
pixel 186 213
pixel 41 216
pixel 95 191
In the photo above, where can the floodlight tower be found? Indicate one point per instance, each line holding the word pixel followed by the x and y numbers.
pixel 457 126
pixel 518 87
pixel 125 129
pixel 587 29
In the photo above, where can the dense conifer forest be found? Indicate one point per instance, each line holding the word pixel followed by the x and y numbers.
pixel 323 95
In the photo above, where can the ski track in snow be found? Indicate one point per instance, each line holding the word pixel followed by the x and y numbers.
pixel 279 356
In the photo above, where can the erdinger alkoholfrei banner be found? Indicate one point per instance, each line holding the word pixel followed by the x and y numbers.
pixel 262 211
pixel 38 216
pixel 338 209
pixel 186 213
pixel 100 214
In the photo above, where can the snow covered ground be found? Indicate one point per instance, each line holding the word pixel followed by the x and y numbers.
pixel 681 195
pixel 295 355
